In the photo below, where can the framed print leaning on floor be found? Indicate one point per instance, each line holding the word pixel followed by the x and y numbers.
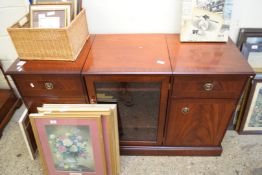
pixel 249 36
pixel 108 114
pixel 252 121
pixel 250 44
pixel 70 145
pixel 253 54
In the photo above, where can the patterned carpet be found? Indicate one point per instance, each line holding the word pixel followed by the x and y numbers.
pixel 242 156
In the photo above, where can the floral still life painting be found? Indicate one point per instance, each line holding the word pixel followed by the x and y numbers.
pixel 71 148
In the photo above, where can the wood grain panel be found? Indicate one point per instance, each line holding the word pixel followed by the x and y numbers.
pixel 204 125
pixel 63 86
pixel 8 104
pixel 170 151
pixel 225 86
pixel 206 58
pixel 128 54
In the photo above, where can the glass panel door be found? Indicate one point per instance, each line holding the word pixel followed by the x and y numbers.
pixel 138 107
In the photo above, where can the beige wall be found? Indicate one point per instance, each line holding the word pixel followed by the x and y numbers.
pixel 10 12
pixel 129 16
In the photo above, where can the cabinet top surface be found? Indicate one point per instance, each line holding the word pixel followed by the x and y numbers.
pixel 144 54
pixel 53 67
pixel 206 58
pixel 128 54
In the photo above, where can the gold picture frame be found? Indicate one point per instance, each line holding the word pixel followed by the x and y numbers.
pixel 73 4
pixel 252 121
pixel 109 125
pixel 45 152
pixel 49 16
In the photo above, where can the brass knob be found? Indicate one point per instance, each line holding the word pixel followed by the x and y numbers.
pixel 208 86
pixel 93 100
pixel 185 110
pixel 49 86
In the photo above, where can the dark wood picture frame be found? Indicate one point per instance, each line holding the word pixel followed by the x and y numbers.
pixel 244 33
pixel 250 106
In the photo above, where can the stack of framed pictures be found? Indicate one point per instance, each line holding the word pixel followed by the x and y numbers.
pixel 77 139
pixel 250 44
pixel 53 13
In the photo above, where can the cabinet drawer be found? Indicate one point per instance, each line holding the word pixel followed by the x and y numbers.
pixel 33 102
pixel 206 86
pixel 49 85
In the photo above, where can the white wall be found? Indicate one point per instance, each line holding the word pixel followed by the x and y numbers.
pixel 126 16
pixel 246 13
pixel 10 12
pixel 133 16
pixel 158 16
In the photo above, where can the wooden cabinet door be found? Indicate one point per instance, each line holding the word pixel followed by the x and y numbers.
pixel 141 102
pixel 198 122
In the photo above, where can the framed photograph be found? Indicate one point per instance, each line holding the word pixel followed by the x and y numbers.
pixel 205 20
pixel 109 125
pixel 73 3
pixel 249 36
pixel 49 16
pixel 252 121
pixel 253 54
pixel 70 145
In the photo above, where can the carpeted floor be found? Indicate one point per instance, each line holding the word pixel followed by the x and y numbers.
pixel 242 156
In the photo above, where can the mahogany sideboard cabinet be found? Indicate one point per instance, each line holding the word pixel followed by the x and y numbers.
pixel 173 98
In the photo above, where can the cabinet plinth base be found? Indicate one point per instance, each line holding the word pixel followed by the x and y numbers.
pixel 170 151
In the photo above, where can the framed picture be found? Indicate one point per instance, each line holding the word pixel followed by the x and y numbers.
pixel 109 125
pixel 49 16
pixel 241 105
pixel 70 144
pixel 249 36
pixel 73 3
pixel 205 20
pixel 252 121
pixel 250 44
pixel 27 133
pixel 253 54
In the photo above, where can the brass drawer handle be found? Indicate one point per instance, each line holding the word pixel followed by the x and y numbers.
pixel 185 110
pixel 92 100
pixel 208 86
pixel 49 86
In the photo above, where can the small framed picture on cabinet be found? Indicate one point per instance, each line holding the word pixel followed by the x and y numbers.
pixel 252 121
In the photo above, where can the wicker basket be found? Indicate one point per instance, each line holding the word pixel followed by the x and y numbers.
pixel 50 44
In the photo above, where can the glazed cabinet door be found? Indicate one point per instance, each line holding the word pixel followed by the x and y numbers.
pixel 198 122
pixel 141 104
